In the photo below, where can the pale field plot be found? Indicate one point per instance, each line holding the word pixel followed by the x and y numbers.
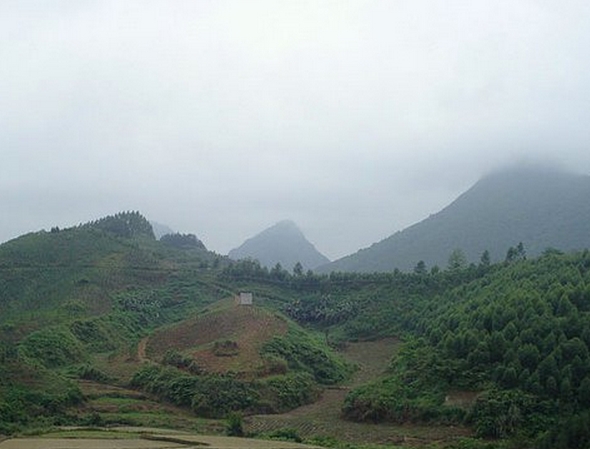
pixel 159 441
pixel 73 443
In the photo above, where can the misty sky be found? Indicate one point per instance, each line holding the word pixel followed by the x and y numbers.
pixel 355 119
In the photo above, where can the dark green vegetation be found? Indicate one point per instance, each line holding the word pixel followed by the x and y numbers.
pixel 541 208
pixel 500 347
pixel 282 244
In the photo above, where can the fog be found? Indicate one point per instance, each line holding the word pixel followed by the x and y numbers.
pixel 355 119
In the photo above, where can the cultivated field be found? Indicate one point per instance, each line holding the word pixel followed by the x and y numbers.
pixel 322 418
pixel 126 439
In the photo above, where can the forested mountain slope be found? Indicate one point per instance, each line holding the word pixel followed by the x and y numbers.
pixel 517 337
pixel 541 208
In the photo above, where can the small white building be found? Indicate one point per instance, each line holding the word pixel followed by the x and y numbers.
pixel 244 299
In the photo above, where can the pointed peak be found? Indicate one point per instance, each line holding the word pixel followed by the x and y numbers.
pixel 286 224
pixel 283 227
pixel 282 243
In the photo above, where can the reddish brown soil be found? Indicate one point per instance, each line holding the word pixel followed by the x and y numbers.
pixel 248 326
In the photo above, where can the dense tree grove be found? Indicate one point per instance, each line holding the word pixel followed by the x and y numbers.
pixel 124 224
pixel 182 241
pixel 519 336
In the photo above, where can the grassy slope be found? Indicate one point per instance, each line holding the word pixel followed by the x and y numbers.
pixel 79 306
pixel 82 298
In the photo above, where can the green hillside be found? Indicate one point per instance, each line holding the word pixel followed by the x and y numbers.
pixel 77 306
pixel 540 208
pixel 101 324
pixel 91 270
pixel 501 347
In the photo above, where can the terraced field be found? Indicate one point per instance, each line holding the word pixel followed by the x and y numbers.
pixel 132 438
pixel 117 404
pixel 250 327
pixel 322 418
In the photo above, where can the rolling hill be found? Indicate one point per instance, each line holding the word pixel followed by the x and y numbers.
pixel 93 303
pixel 541 208
pixel 227 338
pixel 282 243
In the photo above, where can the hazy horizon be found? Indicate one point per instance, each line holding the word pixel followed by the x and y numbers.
pixel 220 118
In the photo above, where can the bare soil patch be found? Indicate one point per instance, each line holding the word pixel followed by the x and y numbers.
pixel 247 328
pixel 220 442
pixel 141 348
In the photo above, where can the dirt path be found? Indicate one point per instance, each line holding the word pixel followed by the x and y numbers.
pixel 141 347
pixel 322 418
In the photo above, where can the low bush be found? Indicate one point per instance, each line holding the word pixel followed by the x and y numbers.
pixel 235 425
pixel 286 434
pixel 52 347
pixel 305 353
pixel 289 391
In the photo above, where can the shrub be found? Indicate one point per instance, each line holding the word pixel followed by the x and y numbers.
pixel 208 395
pixel 180 361
pixel 225 348
pixel 304 353
pixel 89 372
pixel 291 390
pixel 286 434
pixel 53 347
pixel 216 396
pixel 235 425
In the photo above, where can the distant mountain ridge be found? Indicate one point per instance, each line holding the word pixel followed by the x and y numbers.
pixel 541 208
pixel 160 229
pixel 282 243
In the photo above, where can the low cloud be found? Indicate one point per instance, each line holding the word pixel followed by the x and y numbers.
pixel 354 119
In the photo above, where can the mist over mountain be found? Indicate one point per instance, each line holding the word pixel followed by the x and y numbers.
pixel 282 243
pixel 539 207
pixel 160 229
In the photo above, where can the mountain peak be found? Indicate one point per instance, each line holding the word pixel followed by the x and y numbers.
pixel 286 224
pixel 286 228
pixel 539 206
pixel 282 243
